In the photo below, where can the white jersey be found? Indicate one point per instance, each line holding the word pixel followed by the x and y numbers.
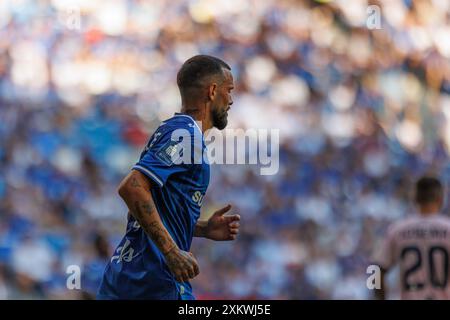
pixel 421 246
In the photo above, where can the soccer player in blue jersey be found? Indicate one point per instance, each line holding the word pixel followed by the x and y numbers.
pixel 164 195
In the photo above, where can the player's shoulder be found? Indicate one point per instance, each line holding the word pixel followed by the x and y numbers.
pixel 179 121
pixel 443 220
pixel 417 221
pixel 174 128
pixel 405 223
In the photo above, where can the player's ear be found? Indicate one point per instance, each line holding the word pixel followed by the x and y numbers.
pixel 212 91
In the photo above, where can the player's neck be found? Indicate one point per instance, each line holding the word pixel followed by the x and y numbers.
pixel 199 116
pixel 429 209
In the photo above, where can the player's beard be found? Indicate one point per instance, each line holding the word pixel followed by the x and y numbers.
pixel 220 119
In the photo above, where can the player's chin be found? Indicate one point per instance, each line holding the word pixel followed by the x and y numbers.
pixel 222 123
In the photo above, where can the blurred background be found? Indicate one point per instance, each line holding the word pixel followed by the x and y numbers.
pixel 362 113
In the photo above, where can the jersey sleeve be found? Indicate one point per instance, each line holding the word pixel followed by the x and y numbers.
pixel 159 160
pixel 384 255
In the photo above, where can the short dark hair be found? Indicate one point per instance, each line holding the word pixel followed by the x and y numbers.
pixel 194 71
pixel 428 189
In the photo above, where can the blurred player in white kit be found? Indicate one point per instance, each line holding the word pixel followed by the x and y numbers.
pixel 420 245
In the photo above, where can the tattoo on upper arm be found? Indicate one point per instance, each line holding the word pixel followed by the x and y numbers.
pixel 135 183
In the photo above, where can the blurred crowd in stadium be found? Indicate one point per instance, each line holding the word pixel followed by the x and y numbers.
pixel 361 114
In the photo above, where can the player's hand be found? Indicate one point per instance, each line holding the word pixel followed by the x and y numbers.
pixel 222 227
pixel 182 264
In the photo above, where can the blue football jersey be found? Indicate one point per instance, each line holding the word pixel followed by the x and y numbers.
pixel 174 161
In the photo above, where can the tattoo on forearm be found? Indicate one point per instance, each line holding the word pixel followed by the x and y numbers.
pixel 147 207
pixel 158 234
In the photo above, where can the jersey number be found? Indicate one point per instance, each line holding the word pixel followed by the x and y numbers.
pixel 433 252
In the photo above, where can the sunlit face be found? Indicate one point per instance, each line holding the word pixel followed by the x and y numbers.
pixel 222 101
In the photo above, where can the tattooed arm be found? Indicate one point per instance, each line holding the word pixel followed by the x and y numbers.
pixel 135 191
